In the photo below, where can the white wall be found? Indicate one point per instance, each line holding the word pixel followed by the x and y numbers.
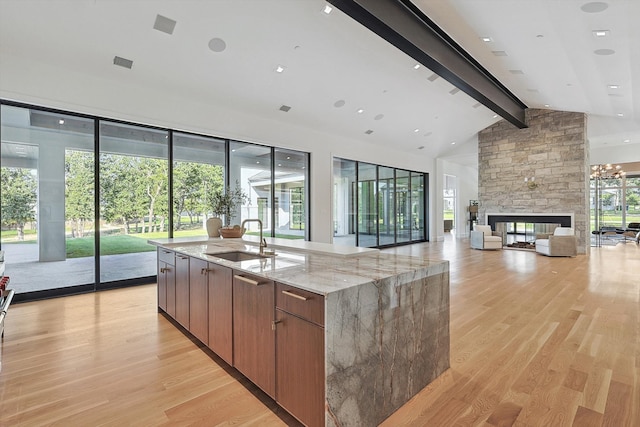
pixel 26 80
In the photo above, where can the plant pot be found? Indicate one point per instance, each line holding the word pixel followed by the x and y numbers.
pixel 230 233
pixel 213 226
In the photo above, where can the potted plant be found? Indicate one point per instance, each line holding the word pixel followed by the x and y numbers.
pixel 226 203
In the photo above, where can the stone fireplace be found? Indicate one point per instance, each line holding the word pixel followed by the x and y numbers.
pixel 538 175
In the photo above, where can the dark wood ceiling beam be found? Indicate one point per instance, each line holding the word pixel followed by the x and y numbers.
pixel 404 25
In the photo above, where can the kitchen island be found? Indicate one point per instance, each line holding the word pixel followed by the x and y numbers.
pixel 337 336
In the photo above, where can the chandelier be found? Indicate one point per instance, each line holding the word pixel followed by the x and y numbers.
pixel 607 171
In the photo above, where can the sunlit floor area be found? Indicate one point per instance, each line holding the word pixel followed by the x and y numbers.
pixel 535 341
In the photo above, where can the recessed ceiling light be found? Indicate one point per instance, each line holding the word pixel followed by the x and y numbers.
pixel 258 162
pixel 613 86
pixel 279 164
pixel 339 103
pixel 61 121
pixel 594 7
pixel 217 45
pixel 432 77
pixel 285 108
pixel 368 132
pixel 327 9
pixel 495 116
pixel 416 130
pixel 453 143
pixel 476 105
pixel 454 91
pixel 486 39
pixel 304 167
pixel 626 141
pixel 279 69
pixel 600 33
pixel 288 157
pixel 415 67
pixel 360 111
pixel 547 105
pixel 620 115
pixel 604 52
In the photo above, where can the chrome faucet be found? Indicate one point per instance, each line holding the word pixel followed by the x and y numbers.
pixel 263 242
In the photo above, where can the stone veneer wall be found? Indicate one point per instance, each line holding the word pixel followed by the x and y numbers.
pixel 554 149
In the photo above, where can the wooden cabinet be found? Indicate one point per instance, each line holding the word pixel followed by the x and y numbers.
pixel 199 299
pixel 253 334
pixel 300 354
pixel 167 281
pixel 182 290
pixel 272 333
pixel 221 311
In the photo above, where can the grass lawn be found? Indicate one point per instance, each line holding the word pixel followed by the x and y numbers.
pixel 110 245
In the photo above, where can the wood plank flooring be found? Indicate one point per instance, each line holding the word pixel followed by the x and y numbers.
pixel 535 341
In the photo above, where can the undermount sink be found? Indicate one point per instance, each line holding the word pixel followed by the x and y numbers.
pixel 237 256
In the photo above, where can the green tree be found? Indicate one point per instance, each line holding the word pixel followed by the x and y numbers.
pixel 193 185
pixel 154 184
pixel 79 190
pixel 122 198
pixel 19 197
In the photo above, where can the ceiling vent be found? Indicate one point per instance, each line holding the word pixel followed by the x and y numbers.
pixel 368 132
pixel 499 52
pixel 122 62
pixel 516 71
pixel 454 91
pixel 476 105
pixel 164 24
pixel 433 77
pixel 285 108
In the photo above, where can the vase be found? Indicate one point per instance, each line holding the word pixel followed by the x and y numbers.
pixel 213 226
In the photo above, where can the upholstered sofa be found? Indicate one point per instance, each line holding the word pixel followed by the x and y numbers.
pixel 561 243
pixel 483 238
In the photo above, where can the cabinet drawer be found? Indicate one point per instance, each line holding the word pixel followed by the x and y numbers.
pixel 305 304
pixel 167 256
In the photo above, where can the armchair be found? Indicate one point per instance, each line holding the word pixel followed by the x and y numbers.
pixel 483 238
pixel 561 243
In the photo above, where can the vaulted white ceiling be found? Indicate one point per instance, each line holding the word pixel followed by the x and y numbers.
pixel 334 67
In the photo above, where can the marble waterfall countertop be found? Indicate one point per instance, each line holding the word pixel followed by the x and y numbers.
pixel 317 267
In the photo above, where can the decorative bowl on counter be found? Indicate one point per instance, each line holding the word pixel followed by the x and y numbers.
pixel 229 233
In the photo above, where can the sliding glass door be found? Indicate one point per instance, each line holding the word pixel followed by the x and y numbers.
pixel 133 199
pixel 378 205
pixel 47 199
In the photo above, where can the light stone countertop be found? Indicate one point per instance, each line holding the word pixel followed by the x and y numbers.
pixel 317 267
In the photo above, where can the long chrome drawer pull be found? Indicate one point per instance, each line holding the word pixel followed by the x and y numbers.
pixel 244 279
pixel 291 294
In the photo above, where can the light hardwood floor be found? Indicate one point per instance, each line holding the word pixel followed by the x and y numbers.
pixel 535 341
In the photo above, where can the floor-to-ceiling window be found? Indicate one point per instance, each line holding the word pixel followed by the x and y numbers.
pixel 250 169
pixel 52 208
pixel 47 198
pixel 198 172
pixel 418 206
pixel 134 198
pixel 291 178
pixel 344 202
pixel 377 205
pixel 386 206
